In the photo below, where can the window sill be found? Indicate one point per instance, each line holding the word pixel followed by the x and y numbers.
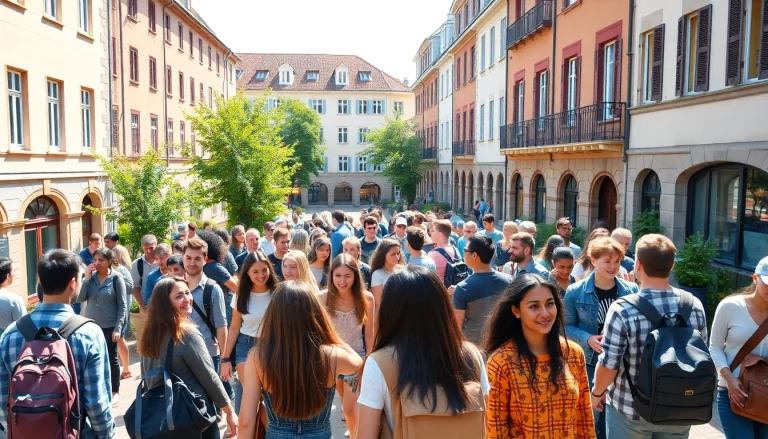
pixel 133 83
pixel 152 32
pixel 182 100
pixel 570 7
pixel 168 42
pixel 19 152
pixel 132 18
pixel 58 153
pixel 15 5
pixel 85 36
pixel 181 50
pixel 53 21
pixel 153 89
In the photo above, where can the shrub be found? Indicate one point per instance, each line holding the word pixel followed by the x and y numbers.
pixel 693 268
pixel 646 222
pixel 430 206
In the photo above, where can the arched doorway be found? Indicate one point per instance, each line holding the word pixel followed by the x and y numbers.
pixel 441 188
pixel 317 193
pixel 470 192
pixel 370 193
pixel 651 192
pixel 540 199
pixel 500 197
pixel 41 233
pixel 342 193
pixel 480 186
pixel 86 220
pixel 570 199
pixel 463 204
pixel 607 198
pixel 489 191
pixel 517 197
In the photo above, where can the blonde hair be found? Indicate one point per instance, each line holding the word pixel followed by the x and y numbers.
pixel 305 274
pixel 121 256
pixel 511 227
pixel 624 233
pixel 300 240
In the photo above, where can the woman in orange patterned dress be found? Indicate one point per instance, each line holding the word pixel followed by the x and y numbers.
pixel 538 378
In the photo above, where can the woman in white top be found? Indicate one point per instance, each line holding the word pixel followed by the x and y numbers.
pixel 249 305
pixel 738 317
pixel 385 261
pixel 296 267
pixel 422 337
pixel 319 258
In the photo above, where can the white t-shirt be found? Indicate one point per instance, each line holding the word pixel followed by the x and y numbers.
pixel 579 273
pixel 257 307
pixel 380 277
pixel 374 392
pixel 268 247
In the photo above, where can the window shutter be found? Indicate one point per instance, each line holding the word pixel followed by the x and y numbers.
pixel 369 110
pixel 763 73
pixel 564 81
pixel 324 107
pixel 702 55
pixel 536 95
pixel 600 68
pixel 733 54
pixel 618 55
pixel 325 164
pixel 578 81
pixel 679 74
pixel 357 106
pixel 349 163
pixel 657 64
pixel 383 106
pixel 368 165
pixel 515 99
pixel 357 162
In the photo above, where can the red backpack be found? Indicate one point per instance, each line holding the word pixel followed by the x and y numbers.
pixel 43 399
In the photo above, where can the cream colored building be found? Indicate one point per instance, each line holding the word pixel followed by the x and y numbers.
pixel 698 149
pixel 352 98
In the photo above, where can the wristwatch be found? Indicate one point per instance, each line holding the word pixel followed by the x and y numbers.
pixel 226 360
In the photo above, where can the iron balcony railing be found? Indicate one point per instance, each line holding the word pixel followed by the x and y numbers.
pixel 539 16
pixel 464 148
pixel 603 121
pixel 429 152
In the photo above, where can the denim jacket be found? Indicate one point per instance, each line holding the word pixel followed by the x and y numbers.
pixel 581 308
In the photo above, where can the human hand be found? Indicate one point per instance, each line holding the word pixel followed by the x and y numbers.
pixel 451 289
pixel 226 371
pixel 596 343
pixel 598 402
pixel 116 337
pixel 736 391
pixel 231 424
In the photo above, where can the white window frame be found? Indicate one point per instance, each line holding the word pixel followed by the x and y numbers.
pixel 503 38
pixel 317 105
pixel 572 84
pixel 492 48
pixel 490 120
pixel 276 102
pixel 261 75
pixel 690 55
pixel 362 106
pixel 286 77
pixel 365 76
pixel 85 113
pixel 542 110
pixel 609 58
pixel 52 8
pixel 377 106
pixel 747 27
pixel 135 133
pixel 342 77
pixel 54 115
pixel 398 106
pixel 84 15
pixel 362 135
pixel 16 109
pixel 647 66
pixel 481 131
pixel 153 132
pixel 343 163
pixel 343 106
pixel 169 131
pixel 482 54
pixel 379 167
pixel 362 163
pixel 520 107
pixel 343 136
pixel 313 76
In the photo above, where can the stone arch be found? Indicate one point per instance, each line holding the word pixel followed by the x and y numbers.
pixel 57 196
pixel 516 195
pixel 91 223
pixel 317 193
pixel 342 192
pixel 537 201
pixel 560 194
pixel 636 194
pixel 604 200
pixel 470 192
pixel 456 192
pixel 480 186
pixel 441 187
pixel 370 193
pixel 489 188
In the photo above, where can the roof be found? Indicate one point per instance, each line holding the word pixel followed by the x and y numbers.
pixel 196 17
pixel 251 63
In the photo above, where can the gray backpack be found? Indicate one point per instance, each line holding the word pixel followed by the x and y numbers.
pixel 677 375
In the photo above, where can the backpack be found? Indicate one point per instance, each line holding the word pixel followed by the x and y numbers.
pixel 456 270
pixel 207 292
pixel 412 419
pixel 677 375
pixel 43 396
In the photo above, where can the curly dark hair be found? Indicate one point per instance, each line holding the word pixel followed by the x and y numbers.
pixel 217 248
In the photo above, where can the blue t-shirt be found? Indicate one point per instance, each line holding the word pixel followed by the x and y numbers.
pixel 367 249
pixel 477 295
pixel 628 264
pixel 218 273
pixel 495 236
pixel 86 256
pixel 240 259
pixel 424 262
pixel 149 285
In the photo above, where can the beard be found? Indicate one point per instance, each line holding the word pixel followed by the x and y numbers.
pixel 517 259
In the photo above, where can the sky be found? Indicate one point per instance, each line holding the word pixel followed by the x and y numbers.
pixel 385 33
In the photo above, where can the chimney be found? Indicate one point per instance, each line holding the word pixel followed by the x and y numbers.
pixel 406 82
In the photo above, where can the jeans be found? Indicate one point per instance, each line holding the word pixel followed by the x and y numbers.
pixel 599 416
pixel 114 365
pixel 211 432
pixel 227 387
pixel 737 426
pixel 621 427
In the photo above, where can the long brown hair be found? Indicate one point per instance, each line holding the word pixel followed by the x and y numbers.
pixel 379 257
pixel 584 259
pixel 295 369
pixel 245 285
pixel 162 318
pixel 345 260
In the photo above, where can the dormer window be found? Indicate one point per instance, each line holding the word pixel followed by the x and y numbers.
pixel 313 75
pixel 365 76
pixel 286 75
pixel 238 73
pixel 261 75
pixel 342 75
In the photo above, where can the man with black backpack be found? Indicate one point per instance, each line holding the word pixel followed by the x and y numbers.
pixel 69 395
pixel 655 372
pixel 450 268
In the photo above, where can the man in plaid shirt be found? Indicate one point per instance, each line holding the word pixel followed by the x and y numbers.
pixel 624 335
pixel 60 276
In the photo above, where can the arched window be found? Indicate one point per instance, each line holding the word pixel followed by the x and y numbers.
pixel 517 201
pixel 570 196
pixel 540 208
pixel 41 233
pixel 729 205
pixel 651 192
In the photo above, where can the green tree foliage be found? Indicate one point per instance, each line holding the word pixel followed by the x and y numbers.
pixel 694 265
pixel 300 129
pixel 396 146
pixel 247 165
pixel 148 199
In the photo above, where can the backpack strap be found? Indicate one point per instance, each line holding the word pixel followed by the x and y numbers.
pixel 686 305
pixel 444 254
pixel 27 328
pixel 71 325
pixel 169 357
pixel 751 344
pixel 207 292
pixel 140 267
pixel 646 308
pixel 206 315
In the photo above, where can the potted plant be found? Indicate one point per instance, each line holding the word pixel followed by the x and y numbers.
pixel 693 268
pixel 138 320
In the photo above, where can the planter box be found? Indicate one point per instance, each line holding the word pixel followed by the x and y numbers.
pixel 138 320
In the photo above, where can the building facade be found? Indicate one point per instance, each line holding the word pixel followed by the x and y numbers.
pixel 352 97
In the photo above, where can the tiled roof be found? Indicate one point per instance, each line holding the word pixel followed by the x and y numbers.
pixel 251 63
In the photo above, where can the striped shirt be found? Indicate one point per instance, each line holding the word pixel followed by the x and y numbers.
pixel 89 349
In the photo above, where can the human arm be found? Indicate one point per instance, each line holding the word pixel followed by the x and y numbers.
pixel 615 344
pixel 497 422
pixel 585 419
pixel 347 360
pixel 232 334
pixel 370 326
pixel 231 283
pixel 122 308
pixel 193 351
pixel 219 316
pixel 249 406
pixel 97 391
pixel 371 401
pixel 583 338
pixel 724 314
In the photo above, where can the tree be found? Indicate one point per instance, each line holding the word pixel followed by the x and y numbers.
pixel 301 129
pixel 149 200
pixel 247 165
pixel 396 146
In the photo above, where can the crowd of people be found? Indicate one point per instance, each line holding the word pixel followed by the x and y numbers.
pixel 424 326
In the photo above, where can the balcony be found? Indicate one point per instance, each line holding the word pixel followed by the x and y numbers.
pixel 594 123
pixel 464 148
pixel 538 17
pixel 429 153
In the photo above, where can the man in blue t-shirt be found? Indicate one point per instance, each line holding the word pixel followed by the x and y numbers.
pixel 86 254
pixel 162 252
pixel 489 228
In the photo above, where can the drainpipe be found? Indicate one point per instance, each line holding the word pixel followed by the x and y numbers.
pixel 165 98
pixel 122 71
pixel 226 68
pixel 506 103
pixel 627 116
pixel 110 56
pixel 554 45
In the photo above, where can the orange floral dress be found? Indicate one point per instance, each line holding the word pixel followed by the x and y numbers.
pixel 519 409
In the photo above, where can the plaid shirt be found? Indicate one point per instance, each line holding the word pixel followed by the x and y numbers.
pixel 90 351
pixel 625 332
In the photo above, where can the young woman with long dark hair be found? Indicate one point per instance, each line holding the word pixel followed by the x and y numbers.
pixel 237 246
pixel 319 258
pixel 386 260
pixel 352 311
pixel 418 350
pixel 538 378
pixel 294 366
pixel 103 292
pixel 544 258
pixel 168 321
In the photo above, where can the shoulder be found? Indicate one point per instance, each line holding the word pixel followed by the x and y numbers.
pixel 574 352
pixel 322 297
pixel 502 277
pixel 578 285
pixel 368 296
pixel 731 303
pixel 502 358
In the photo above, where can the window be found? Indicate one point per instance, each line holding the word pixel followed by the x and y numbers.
pixel 379 167
pixel 362 163
pixel 652 52
pixel 398 107
pixel 193 141
pixel 651 195
pixel 365 76
pixel 54 116
pixel 341 77
pixel 378 107
pixel 168 80
pixel 342 135
pixel 726 205
pixel 85 16
pixel 502 112
pixel 191 46
pixel 85 114
pixel 192 91
pixel 152 73
pixel 133 8
pixel 570 198
pixel 276 103
pixel 343 106
pixel 152 16
pixel 210 97
pixel 200 49
pixel 261 75
pixel 181 86
pixel 571 82
pixel 115 126
pixel 135 133
pixel 693 41
pixel 493 47
pixel 153 140
pixel 167 28
pixel 202 94
pixel 540 200
pixel 181 37
pixel 481 134
pixel 490 121
pixel 458 73
pixel 313 76
pixel 747 49
pixel 210 58
pixel 52 8
pixel 362 106
pixel 317 105
pixel 473 70
pixel 482 53
pixel 362 135
pixel 169 132
pixel 608 67
pixel 286 77
pixel 519 115
pixel 343 163
pixel 608 79
pixel 218 63
pixel 322 135
pixel 517 200
pixel 114 57
pixel 182 133
pixel 503 35
pixel 16 109
pixel 134 65
pixel 541 99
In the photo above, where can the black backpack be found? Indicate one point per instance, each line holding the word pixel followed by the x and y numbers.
pixel 677 375
pixel 456 270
